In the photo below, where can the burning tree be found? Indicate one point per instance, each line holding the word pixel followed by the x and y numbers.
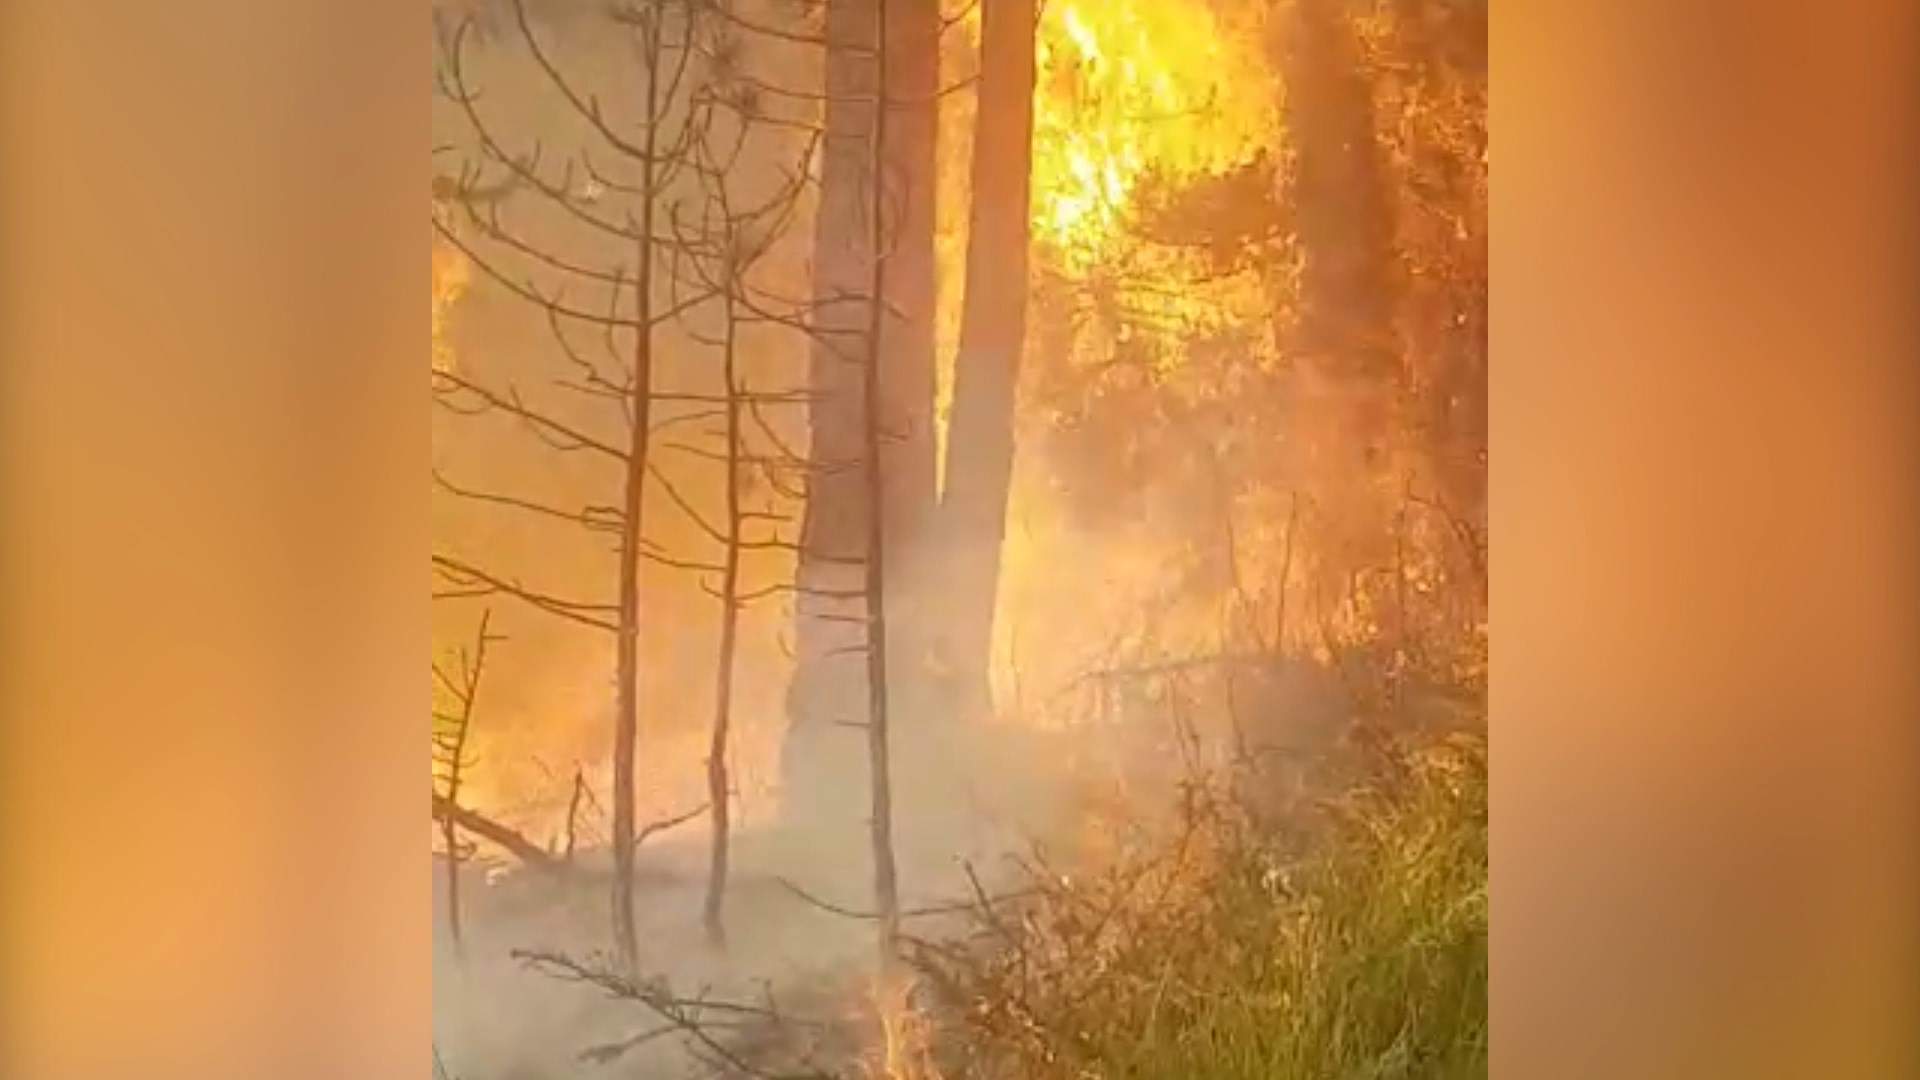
pixel 1219 328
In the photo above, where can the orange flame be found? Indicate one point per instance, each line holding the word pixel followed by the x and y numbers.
pixel 903 1031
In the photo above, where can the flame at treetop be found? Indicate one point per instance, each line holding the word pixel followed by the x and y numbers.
pixel 1128 88
pixel 1124 91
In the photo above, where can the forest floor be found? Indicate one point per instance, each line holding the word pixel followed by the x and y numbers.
pixel 1346 938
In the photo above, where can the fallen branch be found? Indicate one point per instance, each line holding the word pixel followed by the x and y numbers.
pixel 515 844
pixel 929 911
pixel 664 824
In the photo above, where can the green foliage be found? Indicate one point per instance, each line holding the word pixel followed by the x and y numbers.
pixel 1245 952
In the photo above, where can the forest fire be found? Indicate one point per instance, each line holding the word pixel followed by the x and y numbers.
pixel 876 504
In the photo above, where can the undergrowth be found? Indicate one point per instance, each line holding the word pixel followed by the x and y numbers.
pixel 1348 944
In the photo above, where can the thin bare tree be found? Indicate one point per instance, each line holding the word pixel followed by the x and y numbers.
pixel 708 191
pixel 651 147
pixel 886 882
pixel 452 728
pixel 726 245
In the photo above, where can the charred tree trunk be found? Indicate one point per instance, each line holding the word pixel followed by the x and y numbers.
pixel 866 193
pixel 886 886
pixel 818 757
pixel 979 465
pixel 909 168
pixel 912 75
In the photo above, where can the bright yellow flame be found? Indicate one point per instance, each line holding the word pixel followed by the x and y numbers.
pixel 903 1050
pixel 1126 88
pixel 1123 90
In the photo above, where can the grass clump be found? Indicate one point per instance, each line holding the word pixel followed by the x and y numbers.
pixel 1349 944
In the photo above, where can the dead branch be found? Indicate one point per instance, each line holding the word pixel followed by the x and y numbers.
pixel 651 828
pixel 507 839
pixel 596 518
pixel 470 581
pixel 452 760
pixel 448 384
pixel 926 912
pixel 688 1016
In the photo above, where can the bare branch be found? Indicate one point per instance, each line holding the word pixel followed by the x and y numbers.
pixel 587 107
pixel 597 518
pixel 510 841
pixel 471 581
pixel 539 422
pixel 726 13
pixel 526 290
pixel 664 824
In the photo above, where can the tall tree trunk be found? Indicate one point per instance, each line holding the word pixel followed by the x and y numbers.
pixel 886 886
pixel 912 62
pixel 979 463
pixel 909 163
pixel 718 788
pixel 826 683
pixel 626 724
pixel 819 757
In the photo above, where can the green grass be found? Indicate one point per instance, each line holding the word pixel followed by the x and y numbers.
pixel 1360 954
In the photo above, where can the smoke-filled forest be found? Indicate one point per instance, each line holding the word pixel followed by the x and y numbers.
pixel 959 539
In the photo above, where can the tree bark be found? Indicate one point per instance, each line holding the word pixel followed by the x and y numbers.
pixel 626 725
pixel 912 76
pixel 886 885
pixel 909 169
pixel 718 795
pixel 819 759
pixel 979 464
